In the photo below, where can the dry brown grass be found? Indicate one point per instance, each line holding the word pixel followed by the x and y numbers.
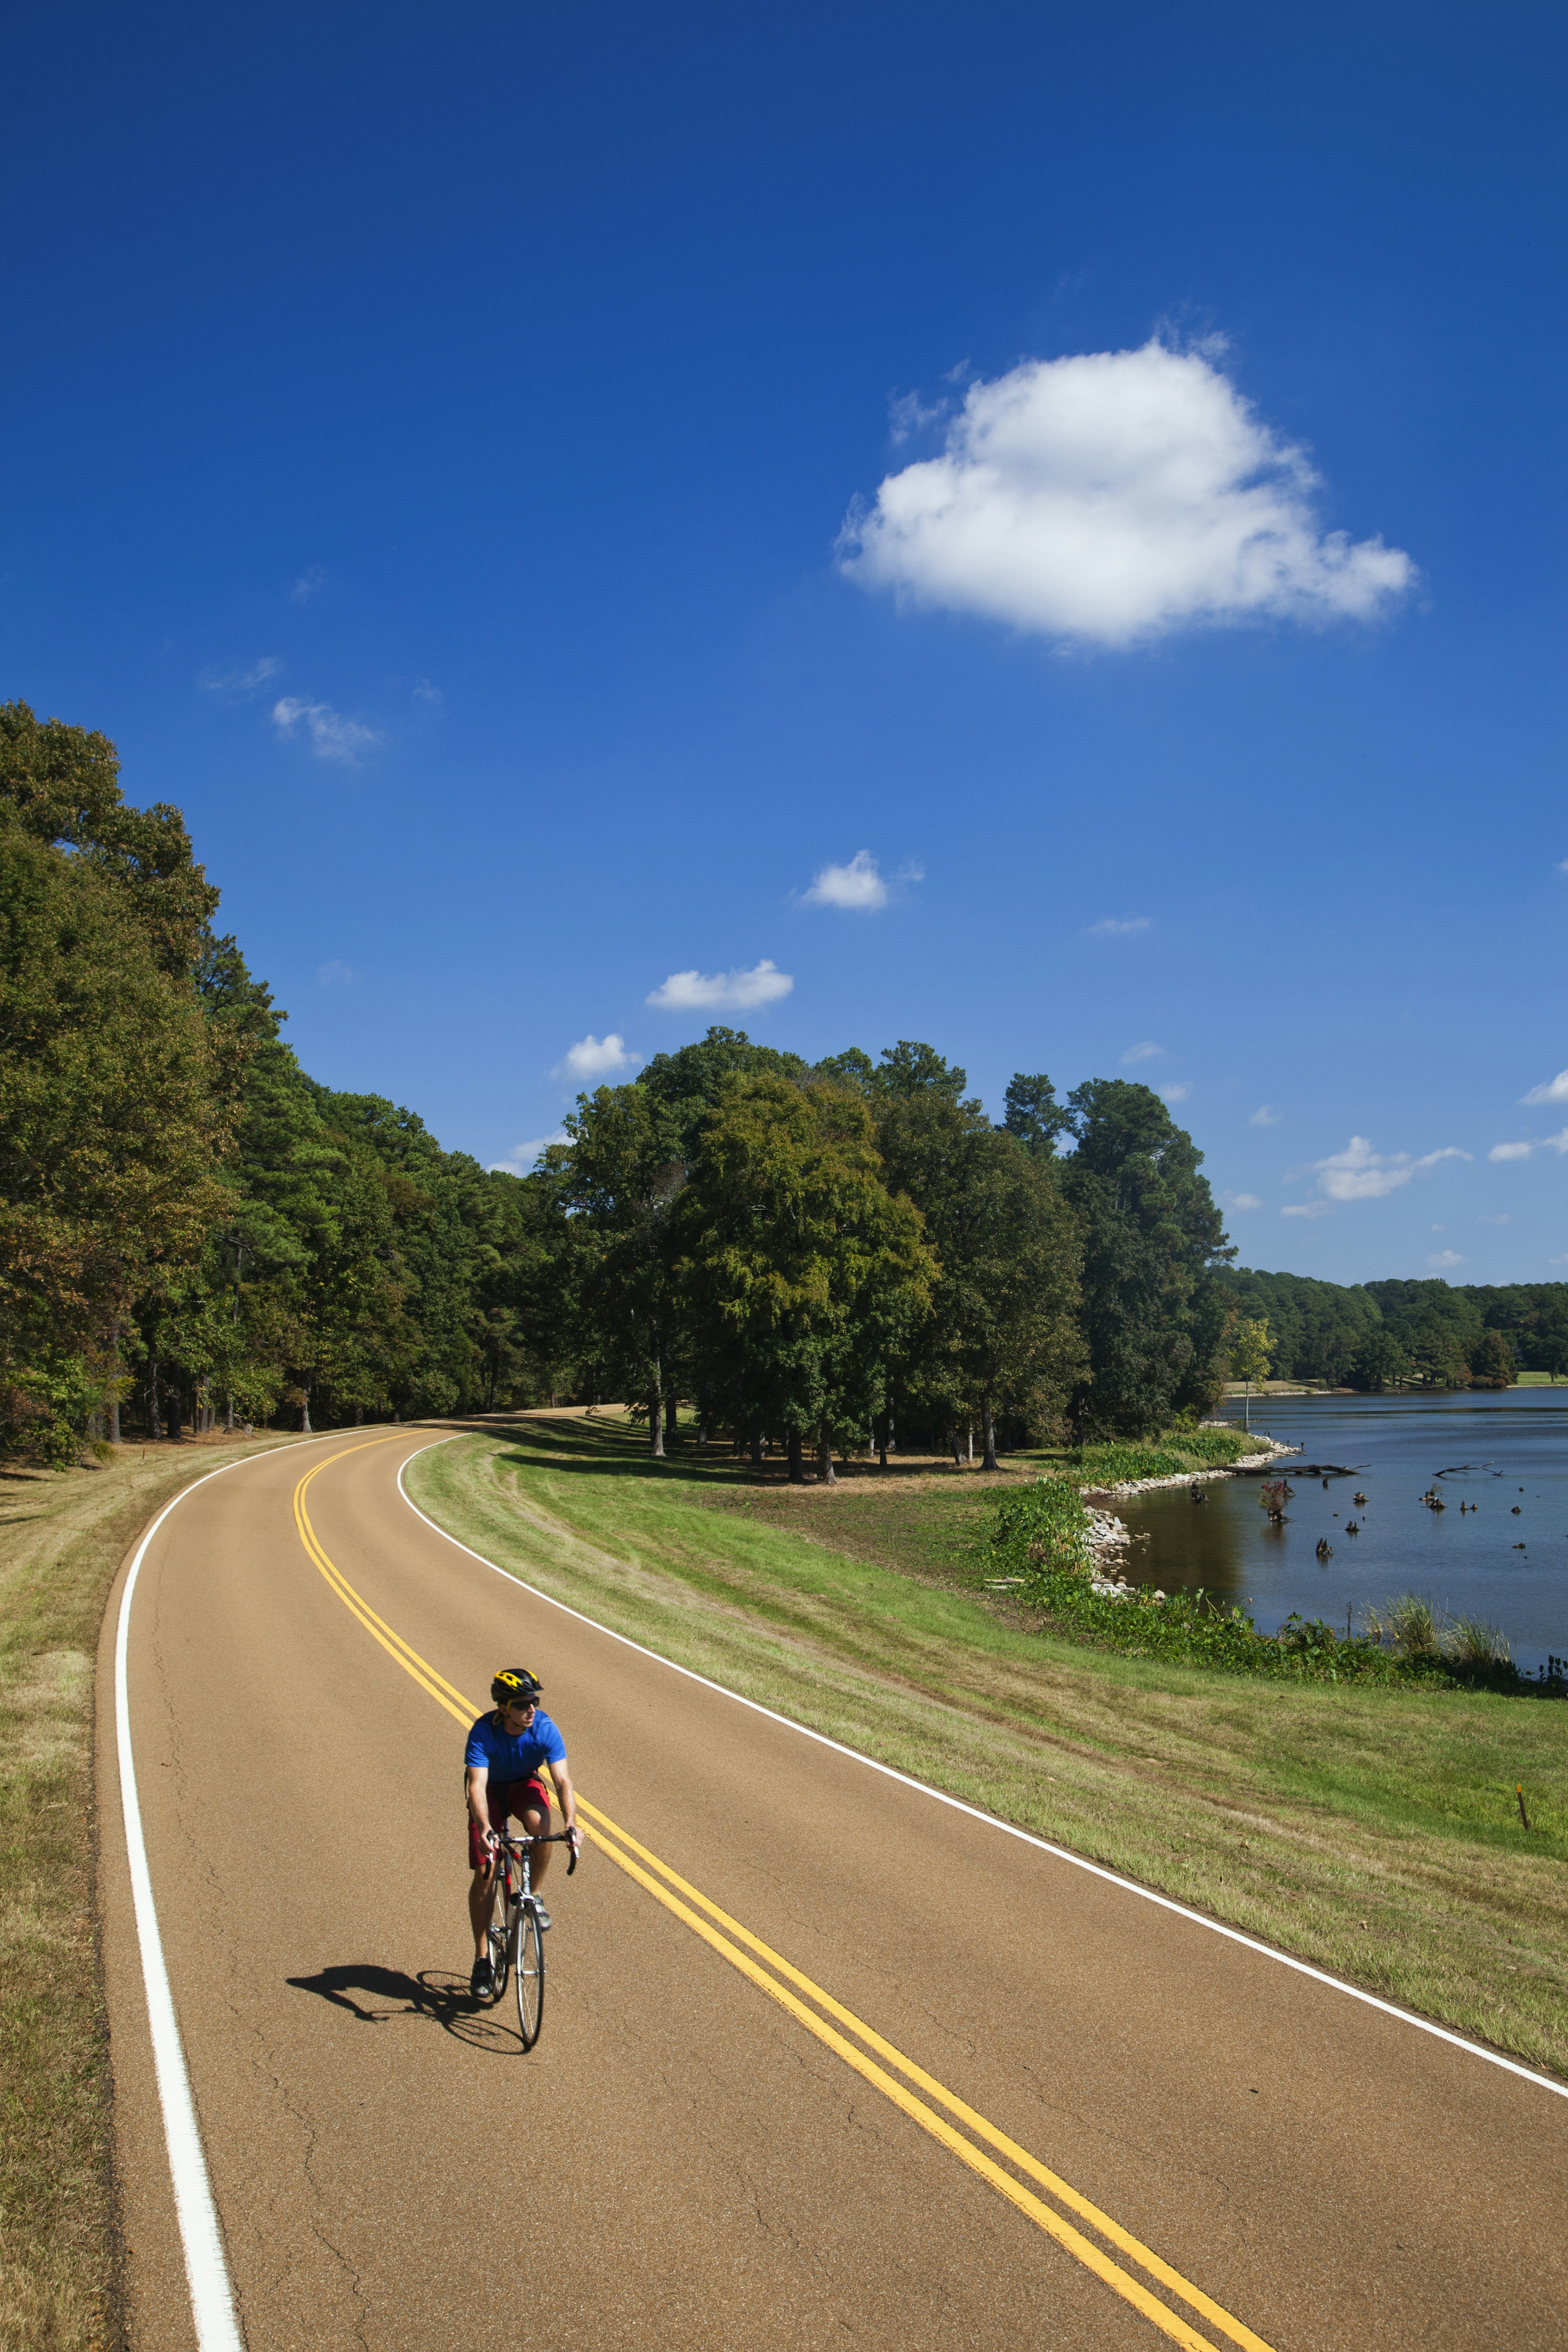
pixel 63 1535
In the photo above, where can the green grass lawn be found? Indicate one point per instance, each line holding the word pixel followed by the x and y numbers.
pixel 1374 1832
pixel 63 1534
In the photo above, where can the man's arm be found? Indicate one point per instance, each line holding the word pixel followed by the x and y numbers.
pixel 476 1782
pixel 563 1790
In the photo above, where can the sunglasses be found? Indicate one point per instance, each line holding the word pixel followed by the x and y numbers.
pixel 519 1706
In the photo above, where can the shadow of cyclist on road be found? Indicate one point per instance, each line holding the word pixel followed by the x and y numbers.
pixel 386 1994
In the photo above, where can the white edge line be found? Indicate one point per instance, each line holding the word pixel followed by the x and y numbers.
pixel 206 2269
pixel 1008 1829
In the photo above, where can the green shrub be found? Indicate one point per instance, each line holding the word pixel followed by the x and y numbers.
pixel 1039 1538
pixel 1174 1455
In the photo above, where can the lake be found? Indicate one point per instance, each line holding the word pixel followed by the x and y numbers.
pixel 1496 1451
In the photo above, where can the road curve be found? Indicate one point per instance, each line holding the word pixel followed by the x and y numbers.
pixel 824 2063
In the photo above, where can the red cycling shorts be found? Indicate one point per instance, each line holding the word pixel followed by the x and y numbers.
pixel 516 1797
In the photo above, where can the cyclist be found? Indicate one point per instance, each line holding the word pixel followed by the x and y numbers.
pixel 503 1774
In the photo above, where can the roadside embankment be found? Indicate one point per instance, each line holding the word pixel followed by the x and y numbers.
pixel 1370 1831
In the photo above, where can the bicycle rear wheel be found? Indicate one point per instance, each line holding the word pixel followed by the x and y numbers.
pixel 529 1976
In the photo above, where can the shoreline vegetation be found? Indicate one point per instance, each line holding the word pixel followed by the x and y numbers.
pixel 1370 1828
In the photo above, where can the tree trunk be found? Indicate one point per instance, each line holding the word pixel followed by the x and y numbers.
pixel 154 1418
pixel 704 1412
pixel 991 1462
pixel 825 1470
pixel 796 1472
pixel 656 1428
pixel 228 1414
pixel 671 1415
pixel 756 1449
pixel 176 1408
pixel 359 1416
pixel 970 1441
pixel 305 1415
pixel 957 1451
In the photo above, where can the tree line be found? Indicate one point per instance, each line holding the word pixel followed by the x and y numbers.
pixel 1425 1334
pixel 818 1255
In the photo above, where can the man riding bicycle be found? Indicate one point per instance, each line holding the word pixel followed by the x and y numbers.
pixel 503 1774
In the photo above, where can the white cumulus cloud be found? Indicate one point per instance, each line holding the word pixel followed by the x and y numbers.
pixel 1111 497
pixel 1551 1090
pixel 523 1156
pixel 857 885
pixel 737 992
pixel 1115 927
pixel 1558 1143
pixel 1146 1051
pixel 333 737
pixel 1441 1260
pixel 594 1057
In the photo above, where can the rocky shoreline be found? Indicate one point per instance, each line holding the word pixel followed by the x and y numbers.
pixel 1108 1535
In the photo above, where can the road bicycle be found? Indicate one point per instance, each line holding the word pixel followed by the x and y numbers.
pixel 517 1941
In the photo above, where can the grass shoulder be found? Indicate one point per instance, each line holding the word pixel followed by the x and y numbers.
pixel 1371 1829
pixel 63 1534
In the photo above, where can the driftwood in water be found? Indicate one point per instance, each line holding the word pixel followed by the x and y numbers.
pixel 1304 1470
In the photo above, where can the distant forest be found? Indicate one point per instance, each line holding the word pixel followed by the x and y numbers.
pixel 1374 1335
pixel 825 1257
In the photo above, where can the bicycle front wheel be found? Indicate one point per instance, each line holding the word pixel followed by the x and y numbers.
pixel 500 1940
pixel 529 1976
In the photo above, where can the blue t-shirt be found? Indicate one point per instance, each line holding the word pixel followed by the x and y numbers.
pixel 519 1759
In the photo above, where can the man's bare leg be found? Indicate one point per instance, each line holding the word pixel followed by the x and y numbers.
pixel 481 1903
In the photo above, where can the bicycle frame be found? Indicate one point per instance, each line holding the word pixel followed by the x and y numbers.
pixel 516 1935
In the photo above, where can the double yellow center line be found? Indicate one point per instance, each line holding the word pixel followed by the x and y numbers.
pixel 920 2095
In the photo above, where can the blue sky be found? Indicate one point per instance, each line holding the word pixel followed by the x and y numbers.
pixel 540 488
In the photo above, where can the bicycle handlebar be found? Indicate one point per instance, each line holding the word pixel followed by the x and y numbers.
pixel 556 1837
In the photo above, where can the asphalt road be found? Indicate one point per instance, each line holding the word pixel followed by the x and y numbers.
pixel 1012 2104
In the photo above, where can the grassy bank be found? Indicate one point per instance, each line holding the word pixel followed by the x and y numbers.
pixel 1373 1832
pixel 63 1534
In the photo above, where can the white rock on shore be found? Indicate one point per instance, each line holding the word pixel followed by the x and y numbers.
pixel 1108 1533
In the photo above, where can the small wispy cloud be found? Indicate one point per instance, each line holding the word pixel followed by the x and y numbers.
pixel 1563 866
pixel 523 1156
pixel 336 975
pixel 1504 1220
pixel 1266 1115
pixel 595 1057
pixel 908 414
pixel 242 681
pixel 860 885
pixel 1552 1090
pixel 425 697
pixel 1360 1173
pixel 1178 1093
pixel 1441 1260
pixel 736 992
pixel 333 737
pixel 1145 1052
pixel 1307 1209
pixel 1558 1143
pixel 1240 1200
pixel 1115 927
pixel 311 583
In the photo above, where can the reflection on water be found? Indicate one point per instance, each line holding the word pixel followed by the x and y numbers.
pixel 1492 1450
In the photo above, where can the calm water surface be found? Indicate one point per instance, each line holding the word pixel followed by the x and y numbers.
pixel 1489 1449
